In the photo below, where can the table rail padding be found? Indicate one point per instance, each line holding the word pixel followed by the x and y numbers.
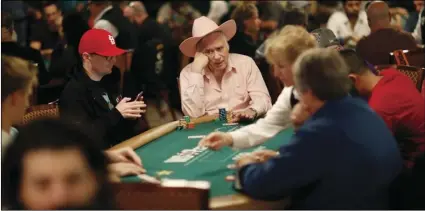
pixel 154 133
pixel 145 196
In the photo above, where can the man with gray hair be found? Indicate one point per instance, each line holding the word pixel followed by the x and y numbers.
pixel 343 157
pixel 135 12
pixel 217 79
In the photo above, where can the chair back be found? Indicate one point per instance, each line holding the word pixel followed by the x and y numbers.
pixel 146 196
pixel 40 112
pixel 415 57
pixel 416 74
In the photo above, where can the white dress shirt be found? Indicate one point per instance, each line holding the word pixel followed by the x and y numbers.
pixel 104 24
pixel 340 25
pixel 276 120
pixel 417 34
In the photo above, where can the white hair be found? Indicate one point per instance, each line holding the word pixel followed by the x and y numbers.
pixel 138 7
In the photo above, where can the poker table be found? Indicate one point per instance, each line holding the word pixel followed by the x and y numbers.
pixel 157 145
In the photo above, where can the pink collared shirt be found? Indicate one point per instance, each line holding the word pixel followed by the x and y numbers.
pixel 242 87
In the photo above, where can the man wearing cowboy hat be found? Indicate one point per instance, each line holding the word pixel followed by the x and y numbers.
pixel 217 79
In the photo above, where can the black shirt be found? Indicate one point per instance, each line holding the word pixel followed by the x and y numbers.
pixel 153 45
pixel 243 44
pixel 90 104
pixel 150 29
pixel 126 38
pixel 27 53
pixel 40 32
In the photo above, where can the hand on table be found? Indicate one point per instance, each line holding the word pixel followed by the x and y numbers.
pixel 200 62
pixel 264 155
pixel 125 169
pixel 216 140
pixel 247 114
pixel 125 154
pixel 131 109
pixel 246 160
pixel 255 157
pixel 241 162
pixel 299 114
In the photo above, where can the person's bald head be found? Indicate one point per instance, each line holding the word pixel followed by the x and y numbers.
pixel 378 15
pixel 136 12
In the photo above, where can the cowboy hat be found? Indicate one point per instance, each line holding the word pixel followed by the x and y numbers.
pixel 203 26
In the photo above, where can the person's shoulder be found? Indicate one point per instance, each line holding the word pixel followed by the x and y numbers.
pixel 392 73
pixel 317 128
pixel 363 15
pixel 186 69
pixel 363 42
pixel 338 16
pixel 74 85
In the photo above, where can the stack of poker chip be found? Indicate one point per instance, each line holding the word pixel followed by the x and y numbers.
pixel 187 119
pixel 185 123
pixel 222 114
pixel 182 124
pixel 229 116
pixel 191 125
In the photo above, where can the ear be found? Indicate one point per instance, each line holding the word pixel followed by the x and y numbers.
pixel 85 56
pixel 353 77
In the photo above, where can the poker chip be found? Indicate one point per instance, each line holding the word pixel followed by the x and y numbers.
pixel 222 114
pixel 187 119
pixel 191 125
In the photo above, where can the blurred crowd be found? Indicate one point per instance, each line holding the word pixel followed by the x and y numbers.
pixel 48 33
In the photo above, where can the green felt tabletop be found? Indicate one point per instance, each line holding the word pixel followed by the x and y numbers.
pixel 208 165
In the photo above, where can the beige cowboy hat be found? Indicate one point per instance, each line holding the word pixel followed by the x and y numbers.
pixel 203 26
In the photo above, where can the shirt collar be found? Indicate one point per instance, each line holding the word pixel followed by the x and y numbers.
pixel 230 67
pixel 102 13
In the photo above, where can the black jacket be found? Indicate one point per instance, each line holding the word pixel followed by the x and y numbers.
pixel 243 44
pixel 82 103
pixel 126 38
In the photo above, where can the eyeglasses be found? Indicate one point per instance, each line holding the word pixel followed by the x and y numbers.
pixel 108 58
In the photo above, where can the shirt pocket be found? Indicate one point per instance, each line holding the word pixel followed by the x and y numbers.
pixel 240 92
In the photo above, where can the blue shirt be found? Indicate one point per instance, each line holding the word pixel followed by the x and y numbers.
pixel 343 157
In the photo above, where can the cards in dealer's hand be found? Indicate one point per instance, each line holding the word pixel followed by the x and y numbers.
pixel 178 159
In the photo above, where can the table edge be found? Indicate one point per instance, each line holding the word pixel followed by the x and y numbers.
pixel 156 132
pixel 219 202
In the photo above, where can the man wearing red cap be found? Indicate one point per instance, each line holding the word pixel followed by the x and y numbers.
pixel 85 101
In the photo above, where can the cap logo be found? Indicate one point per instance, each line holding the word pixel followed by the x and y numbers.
pixel 111 38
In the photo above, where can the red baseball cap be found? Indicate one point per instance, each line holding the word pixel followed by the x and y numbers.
pixel 100 42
